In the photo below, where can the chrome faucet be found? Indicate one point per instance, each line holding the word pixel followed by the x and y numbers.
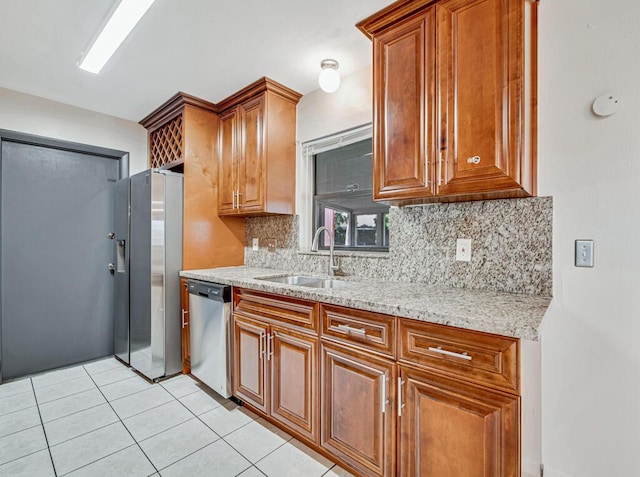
pixel 333 266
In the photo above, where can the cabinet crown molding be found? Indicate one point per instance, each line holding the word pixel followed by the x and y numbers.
pixel 176 103
pixel 390 15
pixel 255 88
pixel 171 108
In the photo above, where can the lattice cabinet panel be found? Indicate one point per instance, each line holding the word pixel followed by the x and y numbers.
pixel 166 144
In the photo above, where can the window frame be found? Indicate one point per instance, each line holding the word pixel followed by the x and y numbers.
pixel 305 180
pixel 321 202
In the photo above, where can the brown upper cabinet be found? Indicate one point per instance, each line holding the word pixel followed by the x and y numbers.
pixel 182 137
pixel 256 150
pixel 454 86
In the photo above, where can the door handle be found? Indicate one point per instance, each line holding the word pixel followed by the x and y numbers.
pixel 439 350
pixel 184 313
pixel 269 346
pixel 112 268
pixel 400 403
pixel 261 343
pixel 383 394
pixel 356 331
pixel 111 235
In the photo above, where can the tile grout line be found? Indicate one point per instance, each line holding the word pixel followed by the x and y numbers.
pixel 25 429
pixel 222 437
pixel 136 442
pixel 329 469
pixel 126 428
pixel 40 388
pixel 19 410
pixel 261 458
pixel 84 433
pixel 44 431
pixel 73 413
pixel 195 416
pixel 62 397
pixel 191 453
pixel 97 460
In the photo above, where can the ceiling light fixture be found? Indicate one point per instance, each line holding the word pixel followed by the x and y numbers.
pixel 124 18
pixel 329 79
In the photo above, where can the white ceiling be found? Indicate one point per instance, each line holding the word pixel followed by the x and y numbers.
pixel 207 48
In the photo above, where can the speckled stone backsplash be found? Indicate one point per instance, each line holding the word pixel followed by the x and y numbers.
pixel 511 246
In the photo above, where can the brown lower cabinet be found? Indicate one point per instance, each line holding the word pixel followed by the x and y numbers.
pixel 186 340
pixel 380 395
pixel 449 428
pixel 275 371
pixel 358 418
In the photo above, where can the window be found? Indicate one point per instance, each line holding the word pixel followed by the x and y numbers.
pixel 343 199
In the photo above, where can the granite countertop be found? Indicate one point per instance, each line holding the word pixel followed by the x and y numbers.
pixel 507 314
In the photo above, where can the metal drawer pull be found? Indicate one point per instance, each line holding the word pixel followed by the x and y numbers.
pixel 269 346
pixel 261 343
pixel 450 353
pixel 400 403
pixel 383 392
pixel 474 160
pixel 355 331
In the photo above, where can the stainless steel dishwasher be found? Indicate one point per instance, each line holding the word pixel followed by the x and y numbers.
pixel 210 310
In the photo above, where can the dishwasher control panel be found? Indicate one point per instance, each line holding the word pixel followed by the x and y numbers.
pixel 210 290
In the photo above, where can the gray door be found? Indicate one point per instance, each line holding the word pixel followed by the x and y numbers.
pixel 57 209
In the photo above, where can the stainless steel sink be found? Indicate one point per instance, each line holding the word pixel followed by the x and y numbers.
pixel 334 283
pixel 311 282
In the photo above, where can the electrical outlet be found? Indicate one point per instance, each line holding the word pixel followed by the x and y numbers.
pixel 584 253
pixel 463 250
pixel 271 245
pixel 256 244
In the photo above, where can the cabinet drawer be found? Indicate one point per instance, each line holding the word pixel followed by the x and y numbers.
pixel 372 331
pixel 479 357
pixel 298 313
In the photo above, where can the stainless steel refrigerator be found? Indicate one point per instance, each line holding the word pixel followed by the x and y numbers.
pixel 155 256
pixel 120 269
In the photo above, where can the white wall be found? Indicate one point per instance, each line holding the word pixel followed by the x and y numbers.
pixel 591 167
pixel 321 114
pixel 33 115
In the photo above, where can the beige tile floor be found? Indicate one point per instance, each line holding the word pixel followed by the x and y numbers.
pixel 102 419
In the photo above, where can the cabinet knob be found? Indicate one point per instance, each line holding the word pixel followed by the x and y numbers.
pixel 474 160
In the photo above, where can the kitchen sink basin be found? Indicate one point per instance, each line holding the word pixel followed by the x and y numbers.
pixel 311 282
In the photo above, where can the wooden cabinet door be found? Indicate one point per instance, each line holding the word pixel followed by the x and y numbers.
pixel 481 89
pixel 186 337
pixel 294 380
pixel 403 109
pixel 358 421
pixel 250 380
pixel 251 167
pixel 228 162
pixel 449 428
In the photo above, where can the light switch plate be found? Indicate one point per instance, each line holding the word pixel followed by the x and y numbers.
pixel 271 245
pixel 256 244
pixel 584 253
pixel 463 250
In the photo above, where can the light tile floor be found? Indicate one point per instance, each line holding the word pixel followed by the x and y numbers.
pixel 102 419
